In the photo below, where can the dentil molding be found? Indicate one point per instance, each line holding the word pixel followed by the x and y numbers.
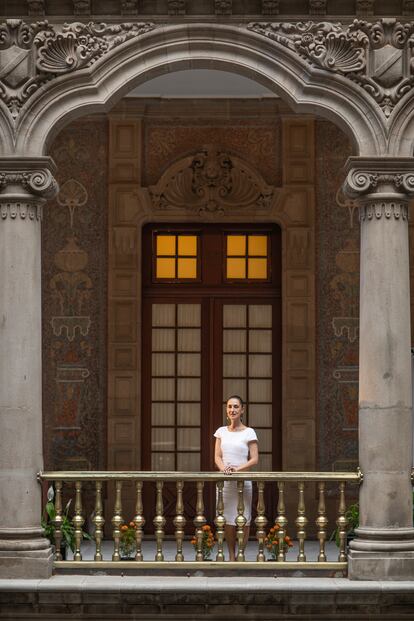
pixel 378 56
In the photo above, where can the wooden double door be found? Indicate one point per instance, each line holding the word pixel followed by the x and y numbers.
pixel 208 333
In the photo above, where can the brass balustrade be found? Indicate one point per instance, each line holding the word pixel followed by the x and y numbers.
pixel 283 482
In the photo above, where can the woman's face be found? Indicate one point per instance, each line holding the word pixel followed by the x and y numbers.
pixel 234 409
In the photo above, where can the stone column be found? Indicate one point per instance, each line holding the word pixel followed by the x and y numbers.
pixel 384 546
pixel 24 187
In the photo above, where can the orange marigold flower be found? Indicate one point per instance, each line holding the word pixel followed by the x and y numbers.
pixel 206 527
pixel 132 525
pixel 193 541
pixel 277 527
pixel 124 527
pixel 272 530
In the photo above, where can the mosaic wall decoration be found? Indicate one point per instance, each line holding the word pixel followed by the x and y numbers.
pixel 74 273
pixel 337 305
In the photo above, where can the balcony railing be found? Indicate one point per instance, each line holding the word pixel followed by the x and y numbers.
pixel 296 483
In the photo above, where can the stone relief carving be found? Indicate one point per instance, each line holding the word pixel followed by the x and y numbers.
pixel 38 182
pixel 211 182
pixel 177 7
pixel 33 54
pixel 377 56
pixel 270 7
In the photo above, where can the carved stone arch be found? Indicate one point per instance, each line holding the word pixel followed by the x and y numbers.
pixel 134 53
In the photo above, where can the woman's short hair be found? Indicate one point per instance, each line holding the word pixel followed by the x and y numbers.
pixel 236 397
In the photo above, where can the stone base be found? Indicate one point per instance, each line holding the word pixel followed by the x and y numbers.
pixel 26 563
pixel 380 565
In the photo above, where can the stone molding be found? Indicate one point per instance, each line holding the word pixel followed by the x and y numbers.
pixel 211 181
pixel 358 51
pixel 25 185
pixel 33 54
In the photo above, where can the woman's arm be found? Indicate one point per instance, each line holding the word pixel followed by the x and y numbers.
pixel 253 457
pixel 218 455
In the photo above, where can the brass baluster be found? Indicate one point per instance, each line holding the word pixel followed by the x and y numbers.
pixel 139 522
pixel 58 520
pixel 321 522
pixel 342 523
pixel 159 521
pixel 220 521
pixel 261 522
pixel 301 522
pixel 78 521
pixel 281 521
pixel 199 521
pixel 117 520
pixel 179 521
pixel 240 521
pixel 99 521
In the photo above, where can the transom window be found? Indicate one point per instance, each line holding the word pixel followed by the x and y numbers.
pixel 176 256
pixel 247 257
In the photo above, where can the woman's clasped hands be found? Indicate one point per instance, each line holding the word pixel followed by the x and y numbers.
pixel 229 469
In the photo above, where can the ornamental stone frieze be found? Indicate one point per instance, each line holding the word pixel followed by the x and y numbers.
pixel 378 56
pixel 383 187
pixel 212 181
pixel 24 188
pixel 33 54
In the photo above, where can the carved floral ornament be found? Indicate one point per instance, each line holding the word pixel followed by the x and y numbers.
pixel 378 56
pixel 33 54
pixel 211 182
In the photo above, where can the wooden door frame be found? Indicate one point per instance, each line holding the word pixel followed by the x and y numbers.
pixel 131 206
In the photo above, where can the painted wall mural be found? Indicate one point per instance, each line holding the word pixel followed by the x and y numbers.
pixel 74 301
pixel 337 305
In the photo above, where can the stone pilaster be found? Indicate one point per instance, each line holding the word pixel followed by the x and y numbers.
pixel 24 187
pixel 384 546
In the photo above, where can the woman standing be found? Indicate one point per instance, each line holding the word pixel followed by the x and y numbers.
pixel 236 450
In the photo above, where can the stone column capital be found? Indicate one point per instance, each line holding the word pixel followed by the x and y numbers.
pixel 382 186
pixel 25 185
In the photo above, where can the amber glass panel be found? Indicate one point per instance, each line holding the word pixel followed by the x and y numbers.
pixel 236 268
pixel 187 268
pixel 187 245
pixel 166 245
pixel 165 268
pixel 236 245
pixel 257 268
pixel 258 245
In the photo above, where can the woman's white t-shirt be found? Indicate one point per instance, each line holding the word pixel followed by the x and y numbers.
pixel 235 445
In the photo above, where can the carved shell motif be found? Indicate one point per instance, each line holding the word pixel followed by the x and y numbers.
pixel 63 54
pixel 335 52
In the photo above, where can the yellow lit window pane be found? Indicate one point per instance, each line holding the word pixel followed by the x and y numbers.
pixel 187 268
pixel 165 268
pixel 236 268
pixel 258 245
pixel 257 268
pixel 236 246
pixel 187 245
pixel 166 244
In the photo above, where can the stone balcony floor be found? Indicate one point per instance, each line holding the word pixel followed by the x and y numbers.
pixel 197 597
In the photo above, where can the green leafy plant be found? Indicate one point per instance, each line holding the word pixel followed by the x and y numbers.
pixel 66 527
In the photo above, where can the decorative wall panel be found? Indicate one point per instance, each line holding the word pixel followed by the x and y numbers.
pixel 74 272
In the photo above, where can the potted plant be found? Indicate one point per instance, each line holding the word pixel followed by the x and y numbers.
pixel 67 529
pixel 208 542
pixel 272 542
pixel 127 541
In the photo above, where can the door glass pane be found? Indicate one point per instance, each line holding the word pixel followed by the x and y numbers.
pixel 260 365
pixel 187 268
pixel 188 439
pixel 264 437
pixel 260 341
pixel 166 245
pixel 189 364
pixel 234 386
pixel 260 390
pixel 162 461
pixel 162 439
pixel 236 245
pixel 189 315
pixel 188 340
pixel 163 364
pixel 162 414
pixel 236 268
pixel 187 245
pixel 163 315
pixel 260 414
pixel 257 268
pixel 163 340
pixel 188 462
pixel 188 389
pixel 258 245
pixel 260 316
pixel 265 462
pixel 234 315
pixel 234 340
pixel 188 414
pixel 165 268
pixel 234 365
pixel 163 389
